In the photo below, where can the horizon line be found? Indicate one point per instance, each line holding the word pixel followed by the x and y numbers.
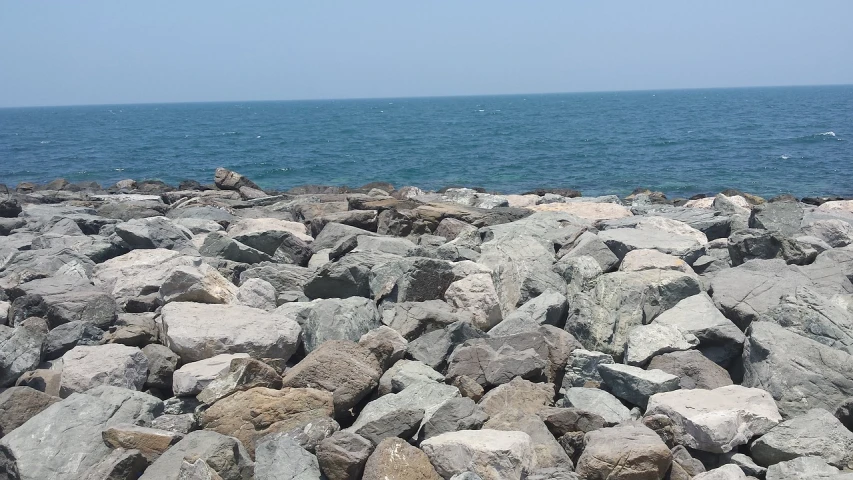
pixel 331 99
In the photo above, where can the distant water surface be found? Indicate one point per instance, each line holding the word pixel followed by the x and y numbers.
pixel 762 140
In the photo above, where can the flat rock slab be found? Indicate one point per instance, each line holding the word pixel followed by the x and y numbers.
pixel 636 385
pixel 815 433
pixel 628 451
pixel 491 454
pixel 193 377
pixel 86 367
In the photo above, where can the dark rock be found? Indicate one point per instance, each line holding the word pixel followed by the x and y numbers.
pixel 343 456
pixel 19 404
pixel 750 244
pixel 693 369
pixel 67 336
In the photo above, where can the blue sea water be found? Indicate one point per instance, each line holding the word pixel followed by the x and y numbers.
pixel 766 141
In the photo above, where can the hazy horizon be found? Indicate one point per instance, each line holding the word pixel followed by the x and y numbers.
pixel 105 53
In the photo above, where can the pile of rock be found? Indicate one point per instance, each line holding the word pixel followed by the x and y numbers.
pixel 227 333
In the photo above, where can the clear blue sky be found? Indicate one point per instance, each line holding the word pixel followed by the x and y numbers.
pixel 91 52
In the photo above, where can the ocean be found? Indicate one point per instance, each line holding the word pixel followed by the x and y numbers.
pixel 765 141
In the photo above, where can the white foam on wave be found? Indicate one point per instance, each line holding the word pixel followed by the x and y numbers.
pixel 118 169
pixel 784 157
pixel 827 134
pixel 44 142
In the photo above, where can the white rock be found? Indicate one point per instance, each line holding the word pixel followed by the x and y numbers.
pixel 4 312
pixel 726 472
pixel 476 294
pixel 248 226
pixel 717 420
pixel 191 378
pixel 836 206
pixel 836 233
pixel 587 210
pixel 86 367
pixel 257 293
pixel 139 272
pixel 491 454
pixel 196 331
pixel 201 284
pixel 647 259
pixel 647 341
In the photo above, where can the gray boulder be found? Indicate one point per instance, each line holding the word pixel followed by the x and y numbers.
pixel 348 276
pixel 435 347
pixel 279 457
pixel 782 217
pixel 222 246
pixel 582 368
pixel 590 245
pixel 648 341
pixel 155 232
pixel 411 279
pixel 453 415
pixel 332 319
pixel 86 367
pixel 812 315
pixel 63 299
pixel 815 433
pixel 751 244
pixel 242 374
pixel 596 401
pixel 225 455
pixel 693 369
pixel 284 278
pixel 21 349
pixel 343 455
pixel 413 319
pixel 636 385
pixel 548 452
pixel 657 233
pixel 549 308
pixel 805 468
pixel 69 335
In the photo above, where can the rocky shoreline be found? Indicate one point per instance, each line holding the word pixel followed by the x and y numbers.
pixel 225 332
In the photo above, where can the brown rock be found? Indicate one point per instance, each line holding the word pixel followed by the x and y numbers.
pixel 43 380
pixel 518 394
pixel 260 411
pixel 468 387
pixel 342 367
pixel 150 441
pixel 242 374
pixel 386 344
pixel 228 180
pixel 624 452
pixel 395 459
pixel 561 421
pixel 693 369
pixel 19 404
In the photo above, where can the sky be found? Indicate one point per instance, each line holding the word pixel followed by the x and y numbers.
pixel 109 52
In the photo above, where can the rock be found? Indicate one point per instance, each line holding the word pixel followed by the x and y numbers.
pixel 645 259
pixel 343 456
pixel 450 228
pixel 251 414
pixel 19 404
pixel 782 217
pixel 648 341
pixel 815 433
pixel 518 394
pixel 86 367
pixel 657 233
pixel 810 314
pixel 414 319
pixel 386 344
pixel 349 276
pixel 742 294
pixel 844 413
pixel 476 293
pixel 716 420
pixel 149 441
pixel 597 402
pixel 636 385
pixel 453 415
pixel 69 335
pixel 750 244
pixel 284 278
pixel 270 235
pixel 719 338
pixel 155 232
pixel 747 465
pixel 726 472
pixel 347 370
pixel 225 455
pixel 363 219
pixel 602 319
pixel 61 300
pixel 836 233
pixel 590 245
pixel 468 387
pixel 43 380
pixel 394 459
pixel 693 369
pixel 189 331
pixel 242 374
pixel 229 180
pixel 582 368
pixel 183 423
pixel 561 421
pixel 624 452
pixel 547 451
pixel 804 468
pixel 400 414
pixel 281 458
pixel 332 319
pixel 162 363
pixel 219 245
pixel 406 373
pixel 799 373
pixel 191 378
pixel 411 279
pixel 119 464
pixel 309 434
pixel 138 273
pixel 549 308
pixel 20 350
pixel 64 440
pixel 202 284
pixel 257 293
pixel 491 454
pixel 586 209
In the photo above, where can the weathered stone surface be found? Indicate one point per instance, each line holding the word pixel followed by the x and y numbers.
pixel 219 245
pixel 395 459
pixel 191 378
pixel 548 452
pixel 627 451
pixel 549 308
pixel 647 259
pixel 309 434
pixel 282 458
pixel 223 454
pixel 411 279
pixel 798 372
pixel 64 440
pixel 332 319
pixel 257 293
pixel 386 344
pixel 598 402
pixel 196 331
pixel 267 234
pixel 61 300
pixel 476 293
pixel 284 278
pixel 413 319
pixel 343 456
pixel 719 338
pixel 582 368
pixel 21 349
pixel 348 276
pixel 119 464
pixel 588 244
pixel 782 217
pixel 491 454
pixel 716 420
pixel 518 394
pixel 161 366
pixel 151 442
pixel 453 415
pixel 43 380
pixel 601 319
pixel 634 384
pixel 726 472
pixel 86 367
pixel 561 421
pixel 435 347
pixel 69 335
pixel 229 180
pixel 346 369
pixel 657 233
pixel 805 468
pixel 155 232
pixel 693 369
pixel 400 414
pixel 750 244
pixel 836 233
pixel 139 272
pixel 183 423
pixel 810 314
pixel 19 404
pixel 202 284
pixel 242 374
pixel 648 341
pixel 254 413
pixel 815 433
pixel 406 373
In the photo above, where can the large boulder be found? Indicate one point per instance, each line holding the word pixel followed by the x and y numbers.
pixel 21 349
pixel 598 402
pixel 196 331
pixel 61 300
pixel 805 468
pixel 139 272
pixel 413 319
pixel 348 370
pixel 86 367
pixel 625 452
pixel 800 373
pixel 348 276
pixel 254 413
pixel 19 404
pixel 750 244
pixel 222 246
pixel 411 279
pixel 815 433
pixel 476 294
pixel 284 278
pixel 332 319
pixel 634 384
pixel 223 454
pixel 810 314
pixel 64 440
pixel 549 308
pixel 657 233
pixel 518 394
pixel 155 232
pixel 279 457
pixel 395 459
pixel 201 284
pixel 782 217
pixel 242 374
pixel 693 369
pixel 620 301
pixel 343 456
pixel 193 377
pixel 716 420
pixel 547 451
pixel 230 180
pixel 491 454
pixel 434 348
pixel 648 341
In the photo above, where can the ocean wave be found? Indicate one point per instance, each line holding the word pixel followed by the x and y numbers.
pixel 784 157
pixel 44 142
pixel 827 134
